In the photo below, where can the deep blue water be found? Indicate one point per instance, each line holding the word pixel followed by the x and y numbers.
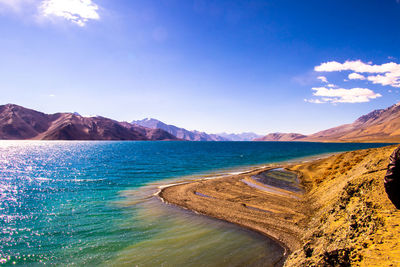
pixel 66 202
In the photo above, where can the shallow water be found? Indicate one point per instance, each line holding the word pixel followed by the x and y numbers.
pixel 279 178
pixel 76 203
pixel 184 238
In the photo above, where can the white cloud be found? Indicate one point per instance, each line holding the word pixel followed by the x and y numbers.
pixel 331 85
pixel 356 66
pixel 388 73
pixel 76 11
pixel 392 79
pixel 322 79
pixel 340 95
pixel 356 76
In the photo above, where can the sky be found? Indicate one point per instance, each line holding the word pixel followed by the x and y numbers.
pixel 210 65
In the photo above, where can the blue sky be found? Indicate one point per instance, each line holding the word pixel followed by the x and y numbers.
pixel 234 66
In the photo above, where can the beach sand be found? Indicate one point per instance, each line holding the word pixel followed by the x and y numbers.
pixel 280 216
pixel 343 218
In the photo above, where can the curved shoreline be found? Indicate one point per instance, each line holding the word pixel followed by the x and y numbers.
pixel 285 248
pixel 341 219
pixel 252 214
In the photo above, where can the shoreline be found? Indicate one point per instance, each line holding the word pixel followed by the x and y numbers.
pixel 292 223
pixel 288 241
pixel 253 170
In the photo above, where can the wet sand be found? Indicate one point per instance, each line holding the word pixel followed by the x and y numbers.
pixel 280 214
pixel 344 216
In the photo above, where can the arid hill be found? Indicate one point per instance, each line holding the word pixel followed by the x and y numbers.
pixel 382 125
pixel 281 137
pixel 19 123
pixel 352 221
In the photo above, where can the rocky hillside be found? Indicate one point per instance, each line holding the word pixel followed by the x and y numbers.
pixel 19 123
pixel 281 137
pixel 179 132
pixel 352 222
pixel 381 125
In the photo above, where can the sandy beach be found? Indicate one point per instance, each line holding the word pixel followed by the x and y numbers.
pixel 343 216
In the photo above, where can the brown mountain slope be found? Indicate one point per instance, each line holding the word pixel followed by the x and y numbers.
pixel 72 127
pixel 381 125
pixel 281 137
pixel 19 123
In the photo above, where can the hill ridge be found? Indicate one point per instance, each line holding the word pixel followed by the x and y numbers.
pixel 380 125
pixel 20 123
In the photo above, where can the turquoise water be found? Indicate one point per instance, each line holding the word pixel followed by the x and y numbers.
pixel 75 203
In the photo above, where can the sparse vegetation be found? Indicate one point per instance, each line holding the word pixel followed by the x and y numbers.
pixel 353 221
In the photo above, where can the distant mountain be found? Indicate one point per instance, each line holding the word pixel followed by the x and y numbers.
pixel 19 123
pixel 281 137
pixel 180 133
pixel 382 125
pixel 240 137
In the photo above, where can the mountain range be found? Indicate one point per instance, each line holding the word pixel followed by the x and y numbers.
pixel 194 135
pixel 179 132
pixel 19 123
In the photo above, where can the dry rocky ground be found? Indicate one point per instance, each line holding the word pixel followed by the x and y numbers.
pixel 353 223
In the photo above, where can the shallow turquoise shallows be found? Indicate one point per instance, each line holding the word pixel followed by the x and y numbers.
pixel 92 203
